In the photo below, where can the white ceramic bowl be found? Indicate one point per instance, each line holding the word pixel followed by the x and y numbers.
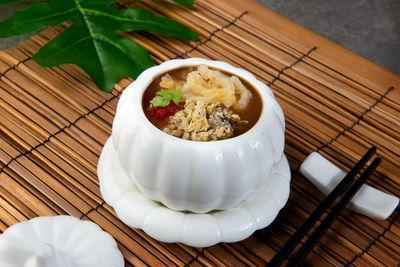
pixel 191 175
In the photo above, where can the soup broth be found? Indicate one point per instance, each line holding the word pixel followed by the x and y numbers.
pixel 249 115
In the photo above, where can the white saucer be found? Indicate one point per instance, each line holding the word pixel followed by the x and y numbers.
pixel 197 230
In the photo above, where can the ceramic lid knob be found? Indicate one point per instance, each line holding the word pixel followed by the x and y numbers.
pixel 47 256
pixel 46 252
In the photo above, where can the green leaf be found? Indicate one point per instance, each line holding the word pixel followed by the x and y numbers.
pixel 3 2
pixel 164 97
pixel 184 2
pixel 92 42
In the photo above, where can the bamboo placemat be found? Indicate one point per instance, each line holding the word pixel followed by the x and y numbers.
pixel 54 122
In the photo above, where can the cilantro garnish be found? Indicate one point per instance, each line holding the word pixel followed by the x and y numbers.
pixel 164 97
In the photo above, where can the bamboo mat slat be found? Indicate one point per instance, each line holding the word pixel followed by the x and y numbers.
pixel 54 122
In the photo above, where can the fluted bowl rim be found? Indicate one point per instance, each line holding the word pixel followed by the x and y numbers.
pixel 146 77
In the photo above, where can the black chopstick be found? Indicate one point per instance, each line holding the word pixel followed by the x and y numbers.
pixel 321 229
pixel 306 226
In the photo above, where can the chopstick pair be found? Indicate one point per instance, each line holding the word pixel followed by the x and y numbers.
pixel 346 186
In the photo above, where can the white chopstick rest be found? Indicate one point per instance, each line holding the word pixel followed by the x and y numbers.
pixel 368 200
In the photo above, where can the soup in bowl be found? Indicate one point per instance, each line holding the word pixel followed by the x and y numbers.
pixel 198 135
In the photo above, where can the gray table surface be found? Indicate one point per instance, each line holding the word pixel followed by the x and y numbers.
pixel 370 28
